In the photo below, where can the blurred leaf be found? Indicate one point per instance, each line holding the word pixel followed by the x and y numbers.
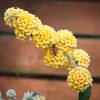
pixel 86 94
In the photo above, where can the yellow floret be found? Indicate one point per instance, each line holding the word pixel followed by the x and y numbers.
pixel 65 40
pixel 54 58
pixel 79 79
pixel 44 37
pixel 81 57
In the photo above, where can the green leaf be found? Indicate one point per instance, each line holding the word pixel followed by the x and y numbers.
pixel 86 94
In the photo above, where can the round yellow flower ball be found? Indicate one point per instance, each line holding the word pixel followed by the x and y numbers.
pixel 65 40
pixel 9 15
pixel 44 37
pixel 54 58
pixel 79 79
pixel 25 25
pixel 81 57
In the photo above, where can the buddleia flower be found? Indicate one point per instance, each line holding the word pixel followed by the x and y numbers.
pixel 24 23
pixel 32 96
pixel 11 93
pixel 81 57
pixel 79 79
pixel 65 40
pixel 54 58
pixel 44 37
pixel 10 14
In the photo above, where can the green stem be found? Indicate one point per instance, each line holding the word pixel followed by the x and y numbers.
pixel 72 61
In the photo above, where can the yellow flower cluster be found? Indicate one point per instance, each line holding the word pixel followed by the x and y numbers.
pixel 24 24
pixel 65 40
pixel 44 37
pixel 54 58
pixel 79 79
pixel 59 47
pixel 81 57
pixel 9 15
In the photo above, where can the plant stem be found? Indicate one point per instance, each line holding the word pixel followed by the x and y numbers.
pixel 72 61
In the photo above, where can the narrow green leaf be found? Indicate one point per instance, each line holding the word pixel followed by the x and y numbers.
pixel 86 94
